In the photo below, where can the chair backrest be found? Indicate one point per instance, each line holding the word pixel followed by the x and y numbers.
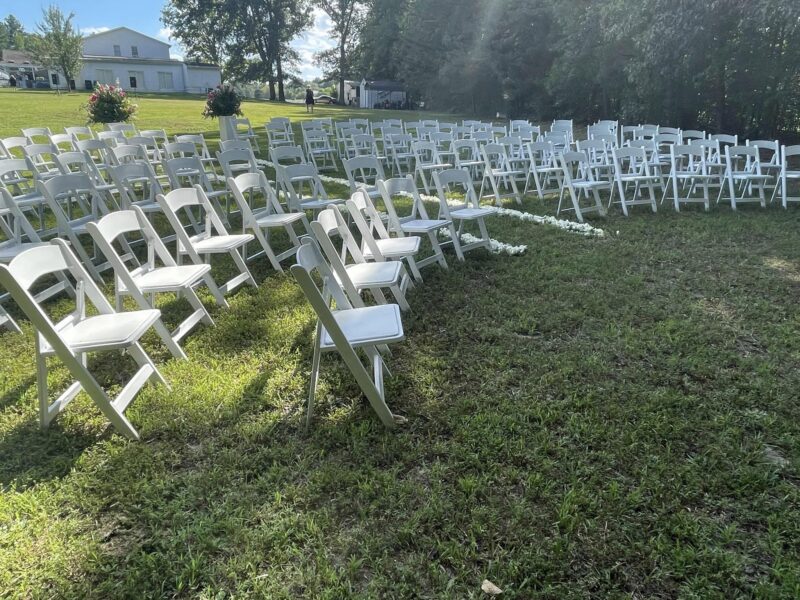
pixel 34 132
pixel 633 157
pixel 238 161
pixel 363 170
pixel 125 128
pixel 62 141
pixel 113 138
pixel 576 167
pixel 14 169
pixel 14 225
pixel 186 171
pixel 495 156
pixel 769 151
pixel 72 189
pixel 687 159
pixel 238 144
pixel 669 131
pixel 10 144
pixel 159 135
pixel 80 132
pixel 287 154
pixel 41 157
pixel 199 141
pixel 692 134
pixel 128 153
pixel 119 224
pixel 179 149
pixel 78 162
pixel 425 153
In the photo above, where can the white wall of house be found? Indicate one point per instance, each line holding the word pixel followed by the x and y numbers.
pixel 125 42
pixel 151 76
pixel 199 78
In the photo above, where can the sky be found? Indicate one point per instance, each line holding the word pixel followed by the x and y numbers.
pixel 144 16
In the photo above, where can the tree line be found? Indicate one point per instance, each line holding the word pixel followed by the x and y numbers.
pixel 722 65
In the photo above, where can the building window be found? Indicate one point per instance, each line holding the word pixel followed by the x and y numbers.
pixel 105 75
pixel 136 79
pixel 54 78
pixel 135 51
pixel 117 50
pixel 165 81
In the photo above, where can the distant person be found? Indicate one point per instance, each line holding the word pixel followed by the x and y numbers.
pixel 12 81
pixel 309 100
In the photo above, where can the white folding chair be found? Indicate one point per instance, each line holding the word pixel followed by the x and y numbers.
pixel 744 176
pixel 320 150
pixel 352 270
pixel 74 202
pixel 244 131
pixel 376 243
pixel 364 172
pixel 16 236
pixel 236 162
pixel 416 223
pixel 579 180
pixel 469 210
pixel 148 278
pixel 632 167
pixel 189 171
pixel 688 173
pixel 502 178
pixel 426 161
pixel 77 334
pixel 214 239
pixel 80 133
pixel 347 329
pixel 398 149
pixel 544 170
pixel 790 172
pixel 43 133
pixel 260 221
pixel 303 187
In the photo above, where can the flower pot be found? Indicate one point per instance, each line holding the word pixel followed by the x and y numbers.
pixel 227 128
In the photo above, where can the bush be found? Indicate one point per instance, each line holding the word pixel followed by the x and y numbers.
pixel 110 104
pixel 222 102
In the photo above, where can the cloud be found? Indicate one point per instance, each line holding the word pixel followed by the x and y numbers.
pixel 311 41
pixel 165 33
pixel 93 30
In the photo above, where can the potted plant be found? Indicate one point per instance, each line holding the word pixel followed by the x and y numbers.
pixel 225 104
pixel 110 104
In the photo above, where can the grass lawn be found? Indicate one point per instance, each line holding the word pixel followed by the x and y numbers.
pixel 598 418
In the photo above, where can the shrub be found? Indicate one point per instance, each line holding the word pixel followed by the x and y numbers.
pixel 110 104
pixel 222 102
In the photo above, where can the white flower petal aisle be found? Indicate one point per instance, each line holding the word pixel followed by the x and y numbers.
pixel 495 247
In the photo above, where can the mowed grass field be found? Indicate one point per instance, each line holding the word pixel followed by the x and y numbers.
pixel 607 417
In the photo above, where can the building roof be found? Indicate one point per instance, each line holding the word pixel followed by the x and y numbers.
pixel 384 85
pixel 18 57
pixel 99 33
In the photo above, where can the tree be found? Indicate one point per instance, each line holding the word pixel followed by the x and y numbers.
pixel 202 26
pixel 13 36
pixel 346 17
pixel 59 46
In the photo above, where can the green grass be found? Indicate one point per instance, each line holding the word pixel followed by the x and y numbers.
pixel 598 418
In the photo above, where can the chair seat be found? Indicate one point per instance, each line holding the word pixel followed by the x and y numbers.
pixel 220 243
pixel 166 279
pixel 423 225
pixel 319 204
pixel 147 205
pixel 395 247
pixel 367 326
pixel 117 330
pixel 741 176
pixel 589 185
pixel 471 213
pixel 374 274
pixel 435 166
pixel 264 219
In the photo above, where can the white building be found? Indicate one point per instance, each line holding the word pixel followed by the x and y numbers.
pixel 137 61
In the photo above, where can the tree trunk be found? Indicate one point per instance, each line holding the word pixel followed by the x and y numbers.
pixel 271 79
pixel 279 72
pixel 341 75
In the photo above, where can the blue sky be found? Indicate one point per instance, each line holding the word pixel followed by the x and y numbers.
pixel 144 15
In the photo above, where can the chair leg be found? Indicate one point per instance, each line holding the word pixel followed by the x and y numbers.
pixel 312 388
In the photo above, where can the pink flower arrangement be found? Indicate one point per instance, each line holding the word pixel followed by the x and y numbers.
pixel 110 104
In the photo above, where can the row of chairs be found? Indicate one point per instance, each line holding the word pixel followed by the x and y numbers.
pixel 198 235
